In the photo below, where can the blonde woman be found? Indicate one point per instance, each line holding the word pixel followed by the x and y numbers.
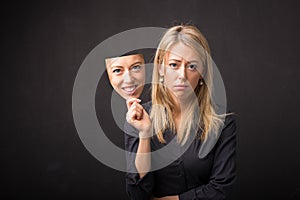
pixel 181 109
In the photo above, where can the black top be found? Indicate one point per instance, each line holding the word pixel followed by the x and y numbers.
pixel 189 176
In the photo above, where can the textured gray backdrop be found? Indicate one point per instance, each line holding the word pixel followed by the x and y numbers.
pixel 255 45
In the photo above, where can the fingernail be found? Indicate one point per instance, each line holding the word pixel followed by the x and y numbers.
pixel 138 100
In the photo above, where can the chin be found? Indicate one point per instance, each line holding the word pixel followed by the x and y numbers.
pixel 126 97
pixel 185 96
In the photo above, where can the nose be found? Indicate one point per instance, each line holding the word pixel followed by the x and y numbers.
pixel 127 77
pixel 182 72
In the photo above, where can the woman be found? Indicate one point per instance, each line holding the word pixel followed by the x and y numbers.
pixel 181 108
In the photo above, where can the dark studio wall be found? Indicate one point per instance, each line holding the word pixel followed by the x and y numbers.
pixel 255 45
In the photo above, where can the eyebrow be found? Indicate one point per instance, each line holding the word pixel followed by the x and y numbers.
pixel 173 59
pixel 192 61
pixel 120 66
pixel 138 62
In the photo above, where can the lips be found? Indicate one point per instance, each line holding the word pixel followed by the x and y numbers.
pixel 180 86
pixel 129 89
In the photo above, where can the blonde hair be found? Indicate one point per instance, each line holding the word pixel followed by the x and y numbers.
pixel 200 113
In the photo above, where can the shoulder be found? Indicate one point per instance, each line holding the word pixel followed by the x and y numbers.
pixel 227 137
pixel 230 119
pixel 230 125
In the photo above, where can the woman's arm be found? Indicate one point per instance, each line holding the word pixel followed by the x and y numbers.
pixel 137 188
pixel 140 119
pixel 139 181
pixel 143 157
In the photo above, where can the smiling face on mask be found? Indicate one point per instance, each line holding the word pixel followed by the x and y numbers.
pixel 127 75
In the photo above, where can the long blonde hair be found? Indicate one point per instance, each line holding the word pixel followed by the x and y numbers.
pixel 200 113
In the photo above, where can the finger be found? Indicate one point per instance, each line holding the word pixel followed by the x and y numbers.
pixel 135 112
pixel 130 101
pixel 139 106
pixel 136 105
pixel 139 114
pixel 141 110
pixel 131 116
pixel 133 107
pixel 135 115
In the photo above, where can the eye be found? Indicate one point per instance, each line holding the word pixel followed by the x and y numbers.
pixel 192 67
pixel 136 68
pixel 116 71
pixel 173 65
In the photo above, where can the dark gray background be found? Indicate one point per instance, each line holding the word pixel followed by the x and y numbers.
pixel 255 45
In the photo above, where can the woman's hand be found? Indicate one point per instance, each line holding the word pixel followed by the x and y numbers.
pixel 166 198
pixel 138 117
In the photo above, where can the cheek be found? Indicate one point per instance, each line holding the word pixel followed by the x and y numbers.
pixel 115 81
pixel 194 79
pixel 139 77
pixel 170 74
pixel 109 74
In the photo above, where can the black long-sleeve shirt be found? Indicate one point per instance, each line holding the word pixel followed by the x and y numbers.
pixel 188 176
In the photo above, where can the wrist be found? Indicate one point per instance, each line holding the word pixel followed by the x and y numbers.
pixel 145 134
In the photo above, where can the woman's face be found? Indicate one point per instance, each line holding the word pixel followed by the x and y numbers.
pixel 181 70
pixel 127 75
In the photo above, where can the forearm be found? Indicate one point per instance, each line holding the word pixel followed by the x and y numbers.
pixel 143 157
pixel 137 188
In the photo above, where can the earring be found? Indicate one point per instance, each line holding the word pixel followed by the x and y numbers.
pixel 161 79
pixel 201 82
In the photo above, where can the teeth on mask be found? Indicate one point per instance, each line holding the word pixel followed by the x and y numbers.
pixel 129 89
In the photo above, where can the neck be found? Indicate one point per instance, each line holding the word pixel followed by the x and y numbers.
pixel 180 106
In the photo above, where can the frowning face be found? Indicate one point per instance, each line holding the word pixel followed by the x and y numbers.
pixel 182 72
pixel 127 75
